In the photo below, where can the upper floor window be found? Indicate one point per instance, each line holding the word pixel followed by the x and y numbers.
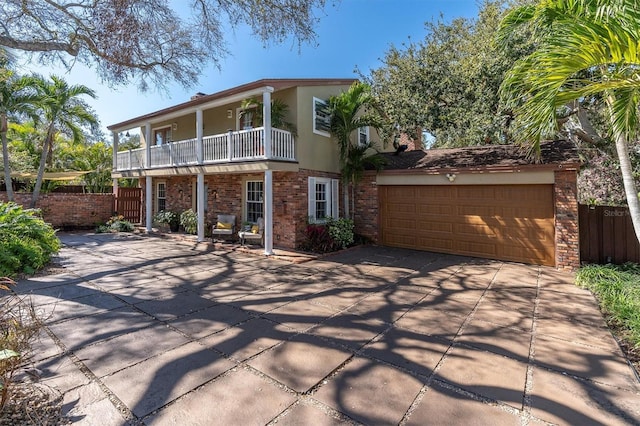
pixel 162 136
pixel 363 135
pixel 248 118
pixel 321 117
pixel 323 199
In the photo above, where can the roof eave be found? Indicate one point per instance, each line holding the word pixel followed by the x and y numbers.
pixel 223 97
pixel 485 169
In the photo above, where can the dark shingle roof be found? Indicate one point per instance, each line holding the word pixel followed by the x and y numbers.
pixel 553 152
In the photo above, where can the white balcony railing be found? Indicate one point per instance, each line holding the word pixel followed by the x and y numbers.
pixel 245 145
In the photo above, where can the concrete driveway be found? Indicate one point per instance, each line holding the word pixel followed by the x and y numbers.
pixel 144 330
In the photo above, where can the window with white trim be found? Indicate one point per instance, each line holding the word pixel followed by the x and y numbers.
pixel 323 199
pixel 363 135
pixel 321 117
pixel 248 118
pixel 254 200
pixel 162 135
pixel 161 196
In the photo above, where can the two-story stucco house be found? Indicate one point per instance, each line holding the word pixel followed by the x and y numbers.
pixel 220 154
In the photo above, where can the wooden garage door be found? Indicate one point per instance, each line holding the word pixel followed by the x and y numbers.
pixel 506 222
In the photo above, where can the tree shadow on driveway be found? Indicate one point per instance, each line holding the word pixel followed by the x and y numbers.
pixel 372 335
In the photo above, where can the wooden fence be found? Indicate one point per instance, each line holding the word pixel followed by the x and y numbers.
pixel 607 235
pixel 128 203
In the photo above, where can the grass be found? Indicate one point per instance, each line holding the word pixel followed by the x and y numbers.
pixel 617 288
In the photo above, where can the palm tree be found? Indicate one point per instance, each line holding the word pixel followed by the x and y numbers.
pixel 63 111
pixel 350 111
pixel 586 49
pixel 15 99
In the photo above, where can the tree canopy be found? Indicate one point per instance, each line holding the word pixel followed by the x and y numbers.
pixel 147 41
pixel 447 84
pixel 587 50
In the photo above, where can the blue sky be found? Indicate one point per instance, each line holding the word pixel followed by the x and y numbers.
pixel 354 33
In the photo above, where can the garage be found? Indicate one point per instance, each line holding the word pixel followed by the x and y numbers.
pixel 490 201
pixel 505 222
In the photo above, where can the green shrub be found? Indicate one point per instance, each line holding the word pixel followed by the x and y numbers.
pixel 341 230
pixel 617 288
pixel 334 234
pixel 167 217
pixel 26 241
pixel 115 224
pixel 189 221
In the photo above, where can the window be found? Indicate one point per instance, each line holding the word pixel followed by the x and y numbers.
pixel 247 119
pixel 363 136
pixel 162 136
pixel 321 117
pixel 254 203
pixel 323 199
pixel 161 196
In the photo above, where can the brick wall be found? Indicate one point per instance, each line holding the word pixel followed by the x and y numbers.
pixel 366 207
pixel 225 196
pixel 567 235
pixel 291 206
pixel 69 211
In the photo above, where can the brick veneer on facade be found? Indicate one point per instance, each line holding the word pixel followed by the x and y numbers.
pixel 567 235
pixel 225 195
pixel 366 207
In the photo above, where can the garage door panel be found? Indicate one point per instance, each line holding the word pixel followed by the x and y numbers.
pixel 435 209
pixel 434 226
pixel 433 192
pixel 444 244
pixel 473 231
pixel 508 222
pixel 476 248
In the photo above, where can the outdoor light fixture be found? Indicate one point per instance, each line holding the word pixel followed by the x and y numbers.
pixel 451 177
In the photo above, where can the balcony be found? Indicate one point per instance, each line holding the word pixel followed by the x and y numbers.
pixel 245 145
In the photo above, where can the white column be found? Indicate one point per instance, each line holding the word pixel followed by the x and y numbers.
pixel 149 203
pixel 266 120
pixel 201 206
pixel 147 145
pixel 268 212
pixel 115 151
pixel 115 162
pixel 199 143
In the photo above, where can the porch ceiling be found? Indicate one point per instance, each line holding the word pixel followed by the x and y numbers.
pixel 233 168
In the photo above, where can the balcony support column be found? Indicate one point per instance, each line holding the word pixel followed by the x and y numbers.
pixel 148 195
pixel 201 206
pixel 199 143
pixel 115 162
pixel 147 145
pixel 116 140
pixel 266 120
pixel 268 212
